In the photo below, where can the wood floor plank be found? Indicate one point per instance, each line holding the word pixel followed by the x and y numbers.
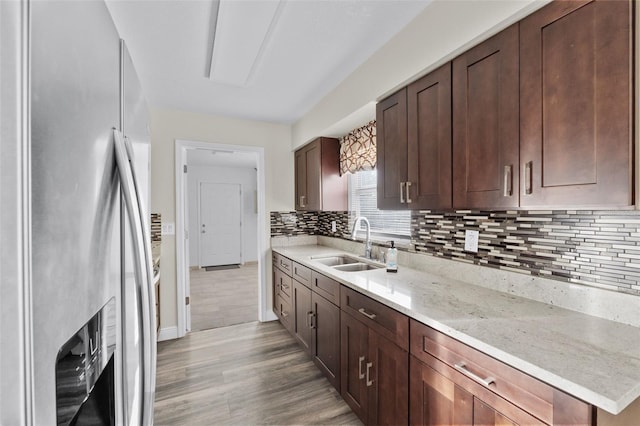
pixel 223 298
pixel 247 374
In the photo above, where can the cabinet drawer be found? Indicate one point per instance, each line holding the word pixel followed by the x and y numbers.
pixel 302 274
pixel 283 284
pixel 326 287
pixel 388 322
pixel 283 263
pixel 530 394
pixel 283 310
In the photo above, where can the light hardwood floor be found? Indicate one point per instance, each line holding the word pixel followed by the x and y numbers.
pixel 248 374
pixel 222 298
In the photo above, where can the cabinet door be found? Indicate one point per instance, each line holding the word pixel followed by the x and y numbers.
pixel 391 116
pixel 313 201
pixel 485 124
pixel 387 376
pixel 436 400
pixel 575 105
pixel 325 338
pixel 485 415
pixel 429 140
pixel 301 179
pixel 353 348
pixel 302 315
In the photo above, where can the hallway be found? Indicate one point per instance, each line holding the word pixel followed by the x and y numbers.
pixel 225 297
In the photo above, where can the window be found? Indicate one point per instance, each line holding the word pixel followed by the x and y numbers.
pixel 385 224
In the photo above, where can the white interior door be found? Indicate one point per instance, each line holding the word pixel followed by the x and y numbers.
pixel 220 224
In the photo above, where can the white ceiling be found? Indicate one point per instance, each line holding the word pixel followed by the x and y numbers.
pixel 310 48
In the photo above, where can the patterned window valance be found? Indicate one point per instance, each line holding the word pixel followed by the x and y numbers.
pixel 358 149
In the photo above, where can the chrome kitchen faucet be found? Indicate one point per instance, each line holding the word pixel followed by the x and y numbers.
pixel 367 250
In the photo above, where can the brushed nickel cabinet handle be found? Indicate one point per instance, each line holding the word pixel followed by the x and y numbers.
pixel 360 372
pixel 407 185
pixel 508 181
pixel 528 185
pixel 302 197
pixel 462 367
pixel 312 323
pixel 369 381
pixel 402 189
pixel 366 314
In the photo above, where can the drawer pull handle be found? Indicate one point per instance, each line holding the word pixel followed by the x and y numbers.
pixel 369 381
pixel 402 189
pixel 407 185
pixel 462 367
pixel 360 372
pixel 366 314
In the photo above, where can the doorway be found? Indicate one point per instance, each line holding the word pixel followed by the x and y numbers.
pixel 220 224
pixel 186 235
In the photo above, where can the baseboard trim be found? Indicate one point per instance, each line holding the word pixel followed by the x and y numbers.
pixel 168 333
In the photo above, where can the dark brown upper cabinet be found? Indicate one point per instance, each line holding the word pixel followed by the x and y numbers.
pixel 575 105
pixel 318 184
pixel 414 145
pixel 485 124
pixel 429 141
pixel 391 135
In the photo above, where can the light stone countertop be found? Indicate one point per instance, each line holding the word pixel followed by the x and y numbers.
pixel 594 359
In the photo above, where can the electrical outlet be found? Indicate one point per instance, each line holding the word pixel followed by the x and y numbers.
pixel 471 240
pixel 333 226
pixel 168 229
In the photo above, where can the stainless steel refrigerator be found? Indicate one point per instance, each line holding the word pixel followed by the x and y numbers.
pixel 77 320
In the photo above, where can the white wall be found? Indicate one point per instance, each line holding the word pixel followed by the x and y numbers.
pixel 169 125
pixel 442 31
pixel 247 179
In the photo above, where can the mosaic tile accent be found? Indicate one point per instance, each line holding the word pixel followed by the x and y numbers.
pixel 595 248
pixel 156 227
pixel 294 223
pixel 587 247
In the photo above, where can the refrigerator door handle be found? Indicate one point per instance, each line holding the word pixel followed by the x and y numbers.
pixel 142 262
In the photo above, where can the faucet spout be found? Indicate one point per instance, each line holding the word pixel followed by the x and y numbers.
pixel 356 224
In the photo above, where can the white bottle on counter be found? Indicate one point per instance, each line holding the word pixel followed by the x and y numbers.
pixel 392 258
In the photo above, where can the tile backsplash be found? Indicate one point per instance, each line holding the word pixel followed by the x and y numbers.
pixel 156 227
pixel 596 248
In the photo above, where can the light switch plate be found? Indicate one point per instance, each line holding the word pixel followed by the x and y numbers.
pixel 333 226
pixel 471 240
pixel 168 229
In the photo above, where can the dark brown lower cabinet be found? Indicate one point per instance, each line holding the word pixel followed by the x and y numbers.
pixel 325 338
pixel 438 400
pixel 374 374
pixel 303 313
pixel 316 326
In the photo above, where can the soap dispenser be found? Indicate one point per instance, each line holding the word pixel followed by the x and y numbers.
pixel 392 258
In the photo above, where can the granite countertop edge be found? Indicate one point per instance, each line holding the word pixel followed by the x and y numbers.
pixel 494 339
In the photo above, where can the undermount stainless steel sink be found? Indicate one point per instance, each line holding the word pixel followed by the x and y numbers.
pixel 357 267
pixel 335 260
